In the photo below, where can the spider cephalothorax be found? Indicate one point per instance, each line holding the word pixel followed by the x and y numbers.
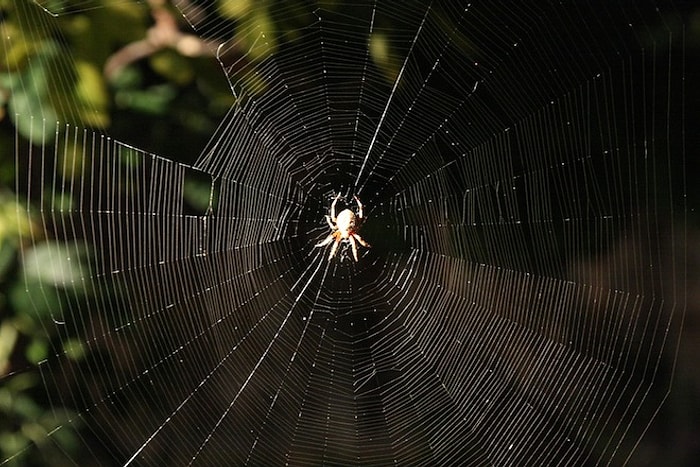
pixel 345 227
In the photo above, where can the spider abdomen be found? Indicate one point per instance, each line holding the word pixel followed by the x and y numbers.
pixel 346 222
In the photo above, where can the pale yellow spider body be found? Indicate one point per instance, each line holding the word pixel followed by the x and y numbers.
pixel 344 226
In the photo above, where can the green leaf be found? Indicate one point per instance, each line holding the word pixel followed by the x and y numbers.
pixel 154 100
pixel 30 107
pixel 74 349
pixel 8 252
pixel 35 303
pixel 173 67
pixel 37 350
pixel 57 264
pixel 234 10
pixel 8 338
pixel 197 194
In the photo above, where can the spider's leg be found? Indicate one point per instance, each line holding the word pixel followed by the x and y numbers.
pixel 328 219
pixel 334 248
pixel 333 218
pixel 362 242
pixel 354 247
pixel 359 205
pixel 325 242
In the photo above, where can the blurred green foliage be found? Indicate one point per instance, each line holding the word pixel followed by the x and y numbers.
pixel 30 294
pixel 103 65
pixel 53 63
pixel 91 64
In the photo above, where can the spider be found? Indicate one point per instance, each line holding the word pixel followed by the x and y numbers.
pixel 344 226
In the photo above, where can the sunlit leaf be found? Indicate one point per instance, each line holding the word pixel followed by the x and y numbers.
pixel 74 349
pixel 12 443
pixel 234 9
pixel 15 50
pixel 55 264
pixel 91 91
pixel 24 407
pixel 22 382
pixel 8 338
pixel 260 39
pixel 380 52
pixel 30 106
pixel 15 222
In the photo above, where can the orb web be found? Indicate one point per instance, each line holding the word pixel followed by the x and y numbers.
pixel 517 167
